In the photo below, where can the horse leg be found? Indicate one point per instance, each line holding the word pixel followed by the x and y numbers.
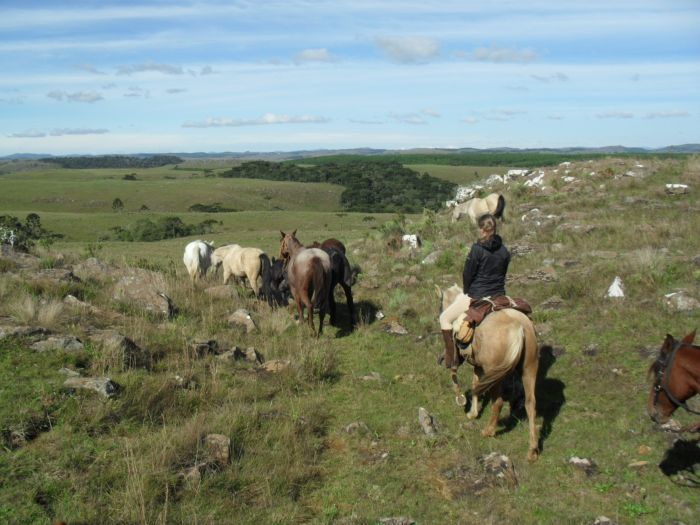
pixel 529 377
pixel 497 402
pixel 351 305
pixel 310 307
pixel 474 410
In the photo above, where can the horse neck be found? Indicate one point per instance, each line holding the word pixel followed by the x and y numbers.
pixel 684 372
pixel 293 246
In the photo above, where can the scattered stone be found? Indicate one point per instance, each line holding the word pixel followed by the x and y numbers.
pixel 413 241
pixel 218 449
pixel 379 315
pixel 102 385
pixel 681 302
pixel 671 426
pixel 603 520
pixel 398 520
pixel 74 302
pixel 275 365
pixel 241 317
pixel 571 228
pixel 432 257
pixel 68 372
pixel 202 348
pixel 553 303
pixel 357 427
pixel 618 371
pixel 66 343
pixel 500 466
pixel 114 343
pixel 677 189
pixel 546 275
pixel 372 376
pixel 146 290
pixel 518 250
pixel 22 331
pixel 584 464
pixel 591 350
pixel 393 327
pixel 193 475
pixel 59 275
pixel 638 464
pixel 220 292
pixel 427 422
pixel 616 289
pixel 93 269
pixel 236 354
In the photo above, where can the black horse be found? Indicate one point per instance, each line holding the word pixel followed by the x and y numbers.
pixel 341 273
pixel 275 289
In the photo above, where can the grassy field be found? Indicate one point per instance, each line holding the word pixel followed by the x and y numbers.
pixel 335 437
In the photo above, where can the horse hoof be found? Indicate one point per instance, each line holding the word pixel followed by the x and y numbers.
pixel 461 400
pixel 532 456
pixel 488 433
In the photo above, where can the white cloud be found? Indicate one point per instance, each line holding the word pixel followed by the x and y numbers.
pixel 615 114
pixel 314 55
pixel 666 114
pixel 367 122
pixel 32 134
pixel 206 70
pixel 431 113
pixel 59 132
pixel 554 77
pixel 470 120
pixel 79 96
pixel 409 50
pixel 137 92
pixel 266 119
pixel 502 54
pixel 90 69
pixel 166 69
pixel 175 91
pixel 555 116
pixel 408 118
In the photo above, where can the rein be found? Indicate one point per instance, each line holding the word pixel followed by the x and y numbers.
pixel 661 383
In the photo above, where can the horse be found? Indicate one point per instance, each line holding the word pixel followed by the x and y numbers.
pixel 341 274
pixel 273 282
pixel 504 342
pixel 197 258
pixel 676 373
pixel 309 275
pixel 217 258
pixel 476 207
pixel 242 262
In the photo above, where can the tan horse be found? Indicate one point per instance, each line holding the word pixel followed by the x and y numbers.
pixel 242 262
pixel 309 277
pixel 504 340
pixel 476 207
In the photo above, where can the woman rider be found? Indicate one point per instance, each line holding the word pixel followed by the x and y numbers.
pixel 484 275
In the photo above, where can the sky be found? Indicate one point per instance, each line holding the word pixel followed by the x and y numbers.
pixel 96 77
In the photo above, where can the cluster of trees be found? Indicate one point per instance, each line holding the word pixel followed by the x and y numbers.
pixel 114 161
pixel 23 235
pixel 215 207
pixel 147 230
pixel 371 185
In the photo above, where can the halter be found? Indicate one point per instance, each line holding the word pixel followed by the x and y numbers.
pixel 665 362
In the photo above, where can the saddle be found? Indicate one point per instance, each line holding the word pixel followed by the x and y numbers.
pixel 467 322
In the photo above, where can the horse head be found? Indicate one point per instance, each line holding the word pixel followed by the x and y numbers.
pixel 288 243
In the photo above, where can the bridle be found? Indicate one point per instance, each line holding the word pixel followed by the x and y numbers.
pixel 663 364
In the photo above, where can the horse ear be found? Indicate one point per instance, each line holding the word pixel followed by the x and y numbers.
pixel 688 339
pixel 294 233
pixel 282 234
pixel 668 344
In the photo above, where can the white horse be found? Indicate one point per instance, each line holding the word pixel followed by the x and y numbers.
pixel 242 262
pixel 197 258
pixel 476 207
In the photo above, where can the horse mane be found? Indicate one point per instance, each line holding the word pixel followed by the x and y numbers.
pixel 501 206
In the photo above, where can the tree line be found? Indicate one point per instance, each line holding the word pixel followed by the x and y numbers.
pixel 371 185
pixel 114 161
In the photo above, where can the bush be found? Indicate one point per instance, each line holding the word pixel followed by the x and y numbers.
pixel 22 236
pixel 146 230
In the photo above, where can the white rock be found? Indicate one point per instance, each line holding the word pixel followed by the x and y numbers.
pixel 616 288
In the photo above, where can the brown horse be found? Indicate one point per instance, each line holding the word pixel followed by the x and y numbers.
pixel 504 342
pixel 676 377
pixel 309 277
pixel 328 244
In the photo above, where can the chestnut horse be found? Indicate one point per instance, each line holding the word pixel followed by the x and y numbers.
pixel 341 273
pixel 504 342
pixel 309 277
pixel 676 378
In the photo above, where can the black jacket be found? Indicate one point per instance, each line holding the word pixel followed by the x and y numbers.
pixel 485 269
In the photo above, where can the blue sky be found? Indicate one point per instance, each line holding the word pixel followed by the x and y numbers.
pixel 96 77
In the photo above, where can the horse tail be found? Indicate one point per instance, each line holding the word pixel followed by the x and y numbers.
pixel 320 283
pixel 500 207
pixel 265 266
pixel 516 345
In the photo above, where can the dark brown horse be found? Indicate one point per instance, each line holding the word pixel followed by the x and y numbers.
pixel 676 377
pixel 309 276
pixel 328 244
pixel 341 273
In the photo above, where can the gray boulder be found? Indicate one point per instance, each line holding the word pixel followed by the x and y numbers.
pixel 67 343
pixel 146 290
pixel 102 385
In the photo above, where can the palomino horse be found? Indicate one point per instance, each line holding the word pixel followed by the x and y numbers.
pixel 476 207
pixel 676 377
pixel 242 262
pixel 503 342
pixel 309 276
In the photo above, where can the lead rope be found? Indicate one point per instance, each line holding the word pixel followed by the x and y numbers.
pixel 460 398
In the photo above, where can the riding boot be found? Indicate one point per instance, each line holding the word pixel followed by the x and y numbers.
pixel 451 356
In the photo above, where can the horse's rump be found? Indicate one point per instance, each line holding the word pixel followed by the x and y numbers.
pixel 311 266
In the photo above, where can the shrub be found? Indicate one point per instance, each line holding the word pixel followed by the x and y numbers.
pixel 147 230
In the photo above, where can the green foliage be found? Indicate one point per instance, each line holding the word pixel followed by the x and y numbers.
pixel 22 236
pixel 113 161
pixel 117 204
pixel 215 207
pixel 130 176
pixel 171 227
pixel 370 185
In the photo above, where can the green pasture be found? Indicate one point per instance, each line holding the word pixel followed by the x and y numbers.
pixel 335 438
